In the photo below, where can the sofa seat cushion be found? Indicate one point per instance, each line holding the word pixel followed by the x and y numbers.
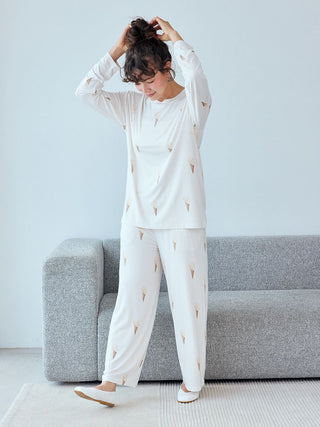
pixel 250 334
pixel 264 333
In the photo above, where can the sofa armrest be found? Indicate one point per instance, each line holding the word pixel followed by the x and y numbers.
pixel 72 288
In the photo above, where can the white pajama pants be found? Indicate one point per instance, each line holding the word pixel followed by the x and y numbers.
pixel 144 252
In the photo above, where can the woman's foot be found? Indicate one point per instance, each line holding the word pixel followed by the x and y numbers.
pixel 106 386
pixel 185 395
pixel 184 388
pixel 104 397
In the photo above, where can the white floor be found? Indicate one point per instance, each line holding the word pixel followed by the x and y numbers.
pixel 18 366
pixel 25 365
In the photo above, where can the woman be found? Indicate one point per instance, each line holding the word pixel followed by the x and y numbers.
pixel 163 225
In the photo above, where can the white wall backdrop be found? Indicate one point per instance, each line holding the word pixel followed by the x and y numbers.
pixel 63 165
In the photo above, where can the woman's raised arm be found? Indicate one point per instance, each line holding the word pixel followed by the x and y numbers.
pixel 196 84
pixel 110 104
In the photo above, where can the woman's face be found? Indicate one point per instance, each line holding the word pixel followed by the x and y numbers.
pixel 153 87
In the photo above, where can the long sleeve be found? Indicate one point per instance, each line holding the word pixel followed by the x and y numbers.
pixel 196 84
pixel 110 104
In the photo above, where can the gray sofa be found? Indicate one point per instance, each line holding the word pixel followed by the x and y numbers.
pixel 263 312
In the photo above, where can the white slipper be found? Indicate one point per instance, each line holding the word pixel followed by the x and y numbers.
pixel 93 393
pixel 185 397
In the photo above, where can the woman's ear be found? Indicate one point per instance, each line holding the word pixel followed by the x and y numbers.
pixel 168 66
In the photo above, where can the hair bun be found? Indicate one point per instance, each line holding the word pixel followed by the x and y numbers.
pixel 140 30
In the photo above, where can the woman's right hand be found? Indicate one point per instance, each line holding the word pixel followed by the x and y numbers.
pixel 122 41
pixel 120 47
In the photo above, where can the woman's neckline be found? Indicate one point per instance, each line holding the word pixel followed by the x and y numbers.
pixel 165 101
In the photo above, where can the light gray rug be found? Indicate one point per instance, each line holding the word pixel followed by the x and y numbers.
pixel 251 403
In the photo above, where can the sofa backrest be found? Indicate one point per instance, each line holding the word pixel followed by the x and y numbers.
pixel 244 263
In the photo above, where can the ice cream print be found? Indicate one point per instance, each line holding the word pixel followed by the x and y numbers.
pixel 170 146
pixel 157 117
pixel 174 240
pixel 195 130
pixel 155 207
pixel 192 163
pixel 141 232
pixel 196 308
pixel 192 268
pixel 135 326
pixel 174 243
pixel 124 379
pixel 115 350
pixel 198 363
pixel 187 203
pixel 155 264
pixel 144 292
pixel 205 104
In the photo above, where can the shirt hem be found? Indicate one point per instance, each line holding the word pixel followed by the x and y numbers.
pixel 161 226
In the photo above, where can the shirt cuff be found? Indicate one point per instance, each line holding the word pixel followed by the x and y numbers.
pixel 104 69
pixel 112 60
pixel 181 46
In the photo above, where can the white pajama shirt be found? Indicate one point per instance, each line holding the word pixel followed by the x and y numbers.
pixel 164 185
pixel 163 221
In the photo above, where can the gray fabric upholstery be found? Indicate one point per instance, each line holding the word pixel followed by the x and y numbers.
pixel 263 313
pixel 72 288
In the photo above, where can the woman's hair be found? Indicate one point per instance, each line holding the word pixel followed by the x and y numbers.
pixel 146 54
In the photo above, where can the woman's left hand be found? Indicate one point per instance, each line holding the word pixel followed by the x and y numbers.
pixel 160 24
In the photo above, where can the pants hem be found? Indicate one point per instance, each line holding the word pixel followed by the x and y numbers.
pixel 118 381
pixel 191 388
